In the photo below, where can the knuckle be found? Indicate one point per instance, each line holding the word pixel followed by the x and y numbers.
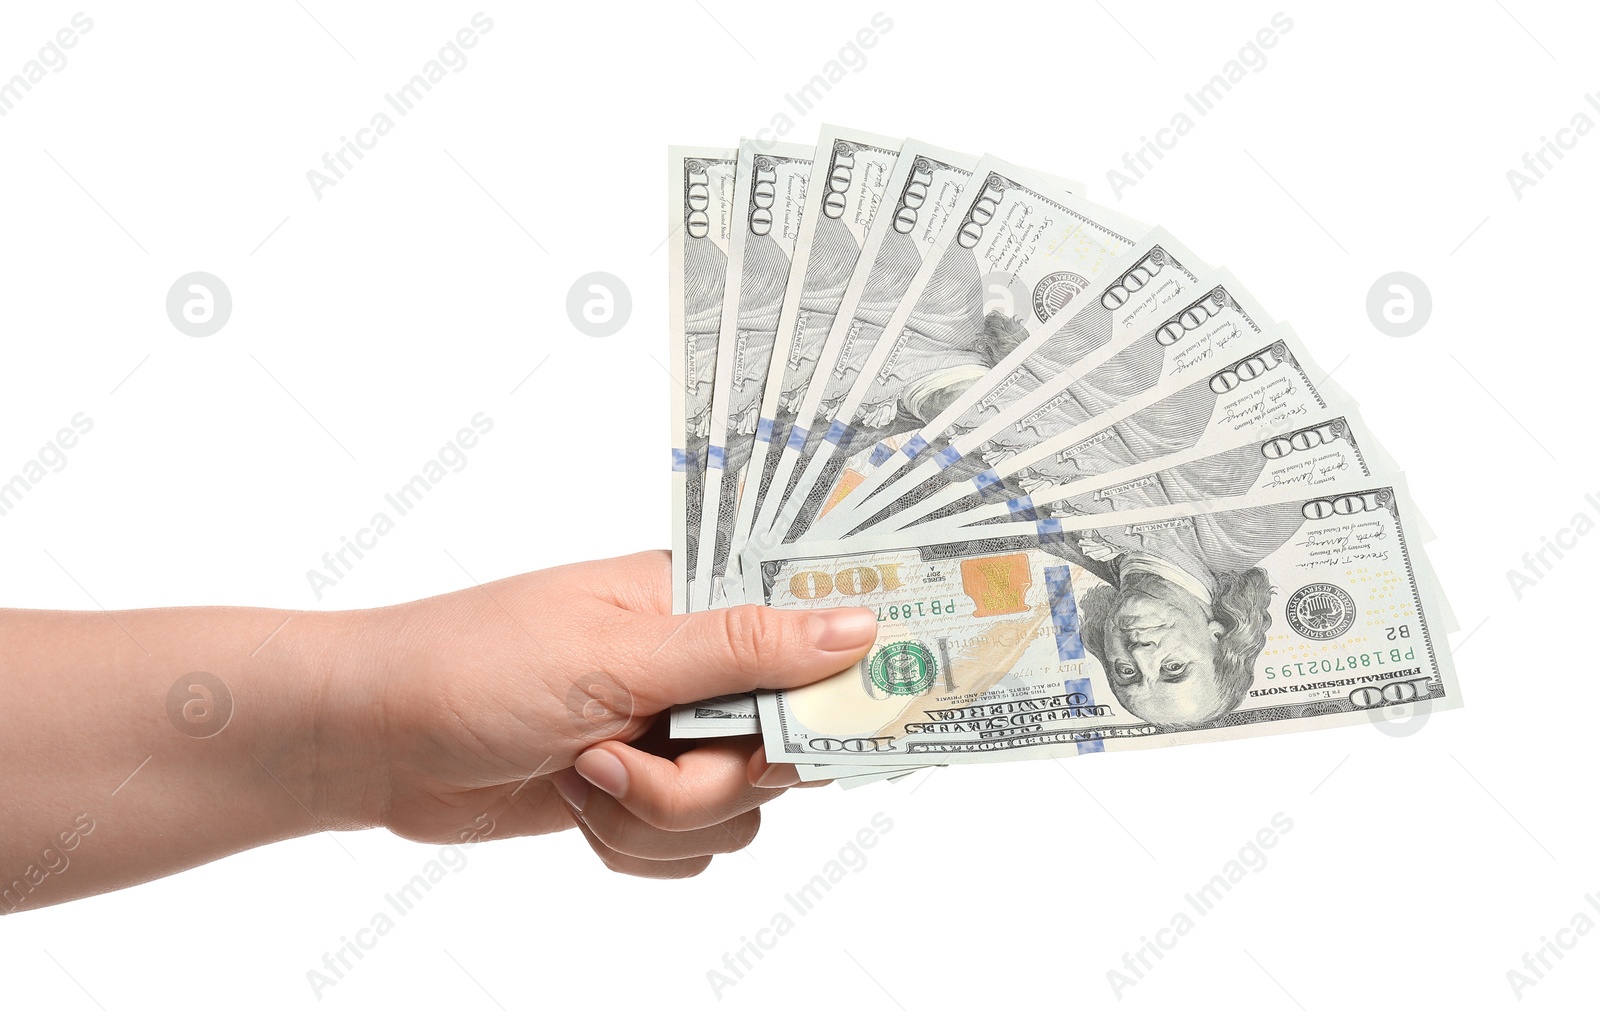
pixel 755 637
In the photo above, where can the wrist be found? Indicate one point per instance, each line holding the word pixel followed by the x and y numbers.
pixel 341 660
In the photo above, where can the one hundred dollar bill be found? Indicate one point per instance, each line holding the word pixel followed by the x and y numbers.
pixel 700 183
pixel 1020 248
pixel 769 204
pixel 923 193
pixel 1131 630
pixel 851 171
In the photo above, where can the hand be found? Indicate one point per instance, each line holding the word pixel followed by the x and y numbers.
pixel 515 708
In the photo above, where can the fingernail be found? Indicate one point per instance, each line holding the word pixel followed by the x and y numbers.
pixel 572 787
pixel 778 776
pixel 844 628
pixel 604 770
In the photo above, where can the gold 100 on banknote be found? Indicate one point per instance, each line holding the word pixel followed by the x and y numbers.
pixel 1097 496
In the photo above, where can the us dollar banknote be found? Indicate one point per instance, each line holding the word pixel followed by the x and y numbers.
pixel 923 192
pixel 851 172
pixel 1266 387
pixel 1213 320
pixel 1019 249
pixel 700 183
pixel 1133 630
pixel 769 204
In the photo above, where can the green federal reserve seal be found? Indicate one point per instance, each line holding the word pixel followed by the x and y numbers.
pixel 1320 611
pixel 903 668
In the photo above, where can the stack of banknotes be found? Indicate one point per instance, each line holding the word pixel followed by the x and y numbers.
pixel 1097 496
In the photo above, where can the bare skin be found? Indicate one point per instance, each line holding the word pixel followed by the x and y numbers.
pixel 530 705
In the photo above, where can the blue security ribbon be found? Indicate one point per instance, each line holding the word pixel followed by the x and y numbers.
pixel 797 437
pixel 838 432
pixel 880 453
pixel 914 447
pixel 1084 687
pixel 764 430
pixel 1069 641
pixel 946 457
pixel 716 457
pixel 680 459
pixel 1063 612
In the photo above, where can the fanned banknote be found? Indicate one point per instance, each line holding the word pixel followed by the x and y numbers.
pixel 1097 498
pixel 1144 629
pixel 700 183
pixel 769 204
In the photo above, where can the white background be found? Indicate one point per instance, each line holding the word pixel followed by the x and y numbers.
pixel 371 324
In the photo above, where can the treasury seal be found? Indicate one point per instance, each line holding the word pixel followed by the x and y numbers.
pixel 903 668
pixel 1320 611
pixel 1054 291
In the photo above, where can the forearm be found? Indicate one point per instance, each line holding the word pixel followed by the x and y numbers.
pixel 110 775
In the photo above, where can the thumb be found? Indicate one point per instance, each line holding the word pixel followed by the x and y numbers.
pixel 734 650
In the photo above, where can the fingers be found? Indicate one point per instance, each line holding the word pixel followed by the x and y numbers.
pixel 760 772
pixel 625 833
pixel 640 867
pixel 634 806
pixel 688 657
pixel 702 787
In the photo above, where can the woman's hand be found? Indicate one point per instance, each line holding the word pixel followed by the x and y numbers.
pixel 146 742
pixel 538 702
